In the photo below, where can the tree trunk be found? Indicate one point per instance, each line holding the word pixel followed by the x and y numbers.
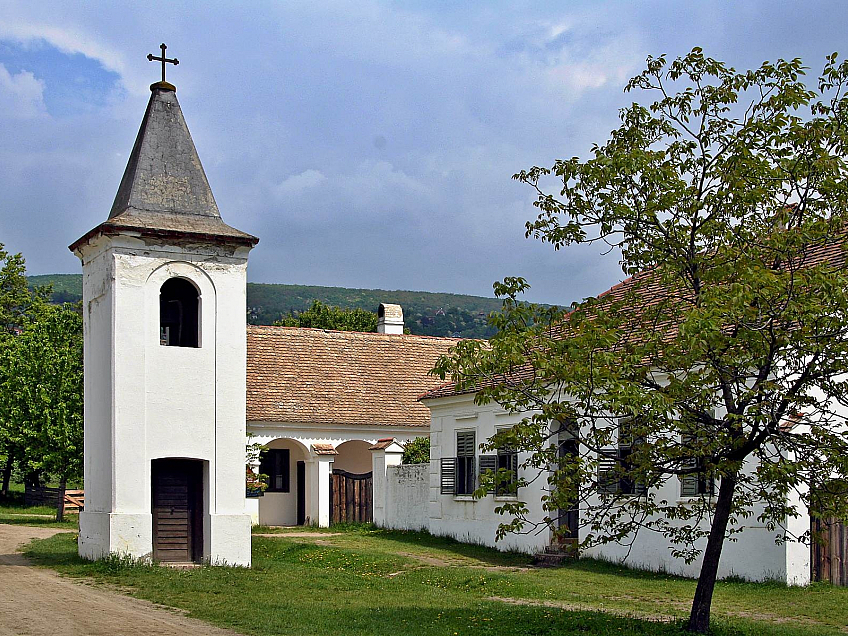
pixel 60 505
pixel 699 618
pixel 7 475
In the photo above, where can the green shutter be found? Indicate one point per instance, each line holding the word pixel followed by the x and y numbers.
pixel 489 463
pixel 465 445
pixel 689 485
pixel 448 475
pixel 689 481
pixel 607 472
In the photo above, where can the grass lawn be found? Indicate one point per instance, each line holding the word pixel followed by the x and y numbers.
pixel 368 581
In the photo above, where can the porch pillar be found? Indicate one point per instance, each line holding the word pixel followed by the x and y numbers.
pixel 251 504
pixel 319 484
pixel 385 453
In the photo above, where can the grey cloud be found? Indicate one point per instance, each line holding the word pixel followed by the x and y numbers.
pixel 287 104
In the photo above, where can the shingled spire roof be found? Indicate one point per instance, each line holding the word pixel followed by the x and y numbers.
pixel 164 191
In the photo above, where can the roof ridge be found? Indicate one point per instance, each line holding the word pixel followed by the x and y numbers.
pixel 360 333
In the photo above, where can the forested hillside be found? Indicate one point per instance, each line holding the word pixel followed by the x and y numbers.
pixel 427 313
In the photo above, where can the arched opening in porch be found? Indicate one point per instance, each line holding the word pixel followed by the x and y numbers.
pixel 353 457
pixel 285 502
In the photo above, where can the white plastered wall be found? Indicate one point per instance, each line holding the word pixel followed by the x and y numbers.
pixel 461 516
pixel 354 457
pixel 145 401
pixel 280 508
pixel 754 555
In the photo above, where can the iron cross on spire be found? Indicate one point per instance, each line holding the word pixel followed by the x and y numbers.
pixel 163 59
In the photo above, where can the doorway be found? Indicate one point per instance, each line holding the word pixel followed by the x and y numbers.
pixel 177 494
pixel 568 520
pixel 301 493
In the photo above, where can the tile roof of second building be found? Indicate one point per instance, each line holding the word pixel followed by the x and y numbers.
pixel 314 376
pixel 645 289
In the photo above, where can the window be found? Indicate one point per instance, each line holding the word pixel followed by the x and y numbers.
pixel 179 316
pixel 615 465
pixel 275 463
pixel 465 476
pixel 507 460
pixel 699 483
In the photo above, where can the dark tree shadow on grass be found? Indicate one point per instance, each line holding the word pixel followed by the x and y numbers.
pixel 42 522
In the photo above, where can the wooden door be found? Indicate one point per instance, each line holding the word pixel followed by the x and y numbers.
pixel 568 521
pixel 177 491
pixel 301 493
pixel 829 556
pixel 351 497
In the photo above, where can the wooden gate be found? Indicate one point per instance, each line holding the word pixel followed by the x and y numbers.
pixel 177 491
pixel 351 497
pixel 828 558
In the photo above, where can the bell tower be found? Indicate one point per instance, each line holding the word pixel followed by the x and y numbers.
pixel 164 304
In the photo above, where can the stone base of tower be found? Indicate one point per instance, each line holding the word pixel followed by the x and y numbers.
pixel 104 533
pixel 229 540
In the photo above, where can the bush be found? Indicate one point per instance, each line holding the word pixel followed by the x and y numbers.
pixel 417 451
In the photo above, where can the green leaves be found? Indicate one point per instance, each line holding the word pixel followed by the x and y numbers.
pixel 41 389
pixel 417 451
pixel 725 193
pixel 321 316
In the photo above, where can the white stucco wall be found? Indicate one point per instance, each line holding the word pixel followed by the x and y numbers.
pixel 280 508
pixel 407 496
pixel 461 516
pixel 146 401
pixel 754 555
pixel 354 457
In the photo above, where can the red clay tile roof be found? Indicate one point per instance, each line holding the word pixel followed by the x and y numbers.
pixel 382 443
pixel 648 291
pixel 324 449
pixel 313 376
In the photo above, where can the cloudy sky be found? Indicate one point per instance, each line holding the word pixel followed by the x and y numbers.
pixel 368 144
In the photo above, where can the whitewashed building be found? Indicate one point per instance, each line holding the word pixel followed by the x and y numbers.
pixel 319 400
pixel 164 326
pixel 755 555
pixel 459 426
pixel 174 379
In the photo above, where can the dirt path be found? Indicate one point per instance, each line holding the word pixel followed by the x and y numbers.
pixel 37 602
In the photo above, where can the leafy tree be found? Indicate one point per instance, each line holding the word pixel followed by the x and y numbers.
pixel 17 302
pixel 42 394
pixel 723 357
pixel 416 451
pixel 321 316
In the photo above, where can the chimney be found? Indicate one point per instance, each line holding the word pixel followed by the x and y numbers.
pixel 389 319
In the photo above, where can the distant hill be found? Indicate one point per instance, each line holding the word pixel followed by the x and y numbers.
pixel 426 313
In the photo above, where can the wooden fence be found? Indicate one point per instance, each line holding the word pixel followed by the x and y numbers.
pixel 828 558
pixel 46 496
pixel 351 497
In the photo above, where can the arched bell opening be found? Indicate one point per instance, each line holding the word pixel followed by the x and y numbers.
pixel 179 313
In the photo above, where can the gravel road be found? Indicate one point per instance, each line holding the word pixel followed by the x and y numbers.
pixel 35 601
